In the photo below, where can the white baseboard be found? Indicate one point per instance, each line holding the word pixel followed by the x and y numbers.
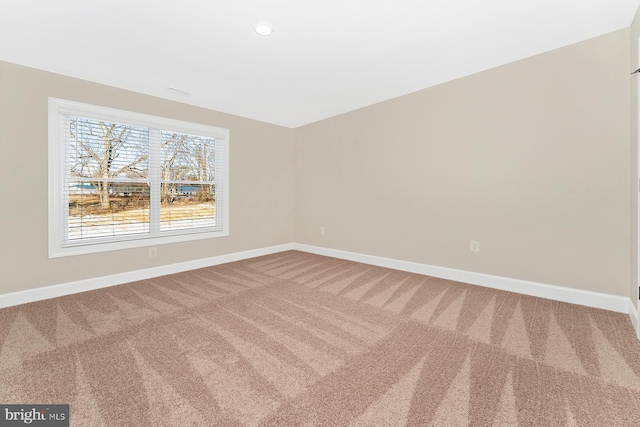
pixel 575 296
pixel 53 291
pixel 635 318
pixel 559 293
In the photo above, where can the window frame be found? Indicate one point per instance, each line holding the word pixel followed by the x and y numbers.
pixel 57 218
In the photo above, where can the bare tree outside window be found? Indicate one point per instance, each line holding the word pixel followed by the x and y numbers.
pixel 103 151
pixel 110 183
pixel 188 179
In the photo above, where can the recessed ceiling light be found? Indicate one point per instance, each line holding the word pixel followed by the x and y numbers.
pixel 263 28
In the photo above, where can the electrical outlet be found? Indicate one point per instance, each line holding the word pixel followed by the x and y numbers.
pixel 474 246
pixel 153 252
pixel 322 231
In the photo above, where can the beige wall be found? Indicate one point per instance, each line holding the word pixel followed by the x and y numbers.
pixel 531 159
pixel 634 186
pixel 261 181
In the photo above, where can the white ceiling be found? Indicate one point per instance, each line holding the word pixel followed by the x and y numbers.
pixel 324 58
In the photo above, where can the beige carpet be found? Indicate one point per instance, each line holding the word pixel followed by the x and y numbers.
pixel 294 339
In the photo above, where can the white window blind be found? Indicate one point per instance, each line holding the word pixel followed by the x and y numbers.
pixel 188 181
pixel 120 179
pixel 107 179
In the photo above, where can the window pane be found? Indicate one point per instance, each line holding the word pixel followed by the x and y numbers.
pixel 187 157
pixel 127 214
pixel 187 206
pixel 114 202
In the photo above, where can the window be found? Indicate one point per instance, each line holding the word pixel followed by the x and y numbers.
pixel 119 179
